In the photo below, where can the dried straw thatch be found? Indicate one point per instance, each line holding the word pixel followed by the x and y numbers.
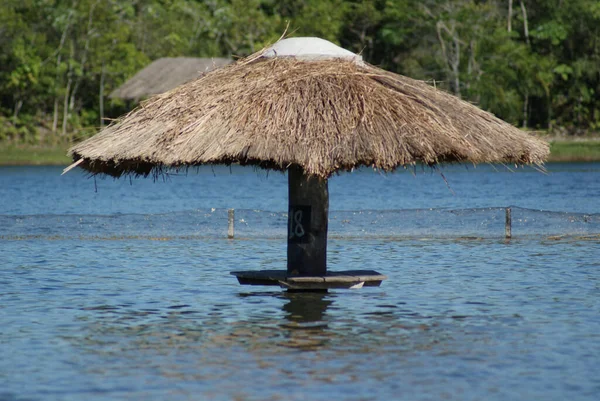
pixel 324 115
pixel 165 74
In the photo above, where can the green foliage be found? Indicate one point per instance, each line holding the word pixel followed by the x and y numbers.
pixel 24 154
pixel 324 19
pixel 552 31
pixel 579 150
pixel 59 59
pixel 18 130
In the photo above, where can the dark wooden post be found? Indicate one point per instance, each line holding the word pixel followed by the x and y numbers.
pixel 307 224
pixel 508 224
pixel 230 223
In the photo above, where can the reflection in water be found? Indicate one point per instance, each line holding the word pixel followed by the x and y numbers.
pixel 262 323
pixel 292 339
pixel 306 326
pixel 306 307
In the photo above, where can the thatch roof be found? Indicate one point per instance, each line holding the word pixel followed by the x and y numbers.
pixel 165 74
pixel 324 115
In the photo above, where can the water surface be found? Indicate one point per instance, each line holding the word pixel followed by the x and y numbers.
pixel 123 292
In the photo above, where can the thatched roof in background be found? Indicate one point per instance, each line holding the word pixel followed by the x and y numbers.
pixel 324 115
pixel 165 74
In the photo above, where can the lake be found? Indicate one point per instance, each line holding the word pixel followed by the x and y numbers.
pixel 120 289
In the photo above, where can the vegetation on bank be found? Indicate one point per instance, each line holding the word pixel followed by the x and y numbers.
pixel 534 64
pixel 34 155
pixel 575 151
pixel 561 150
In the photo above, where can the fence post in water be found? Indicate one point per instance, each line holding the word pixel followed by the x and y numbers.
pixel 231 219
pixel 508 224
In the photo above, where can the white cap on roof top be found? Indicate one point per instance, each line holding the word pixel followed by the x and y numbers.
pixel 310 49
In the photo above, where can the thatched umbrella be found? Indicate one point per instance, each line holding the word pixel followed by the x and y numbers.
pixel 312 108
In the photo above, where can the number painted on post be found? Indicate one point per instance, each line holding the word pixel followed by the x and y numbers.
pixel 298 223
pixel 296 229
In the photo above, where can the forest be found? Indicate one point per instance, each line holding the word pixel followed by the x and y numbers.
pixel 533 63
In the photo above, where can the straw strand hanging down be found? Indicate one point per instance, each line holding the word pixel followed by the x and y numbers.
pixel 324 115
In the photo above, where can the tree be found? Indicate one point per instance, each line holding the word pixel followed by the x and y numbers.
pixel 536 64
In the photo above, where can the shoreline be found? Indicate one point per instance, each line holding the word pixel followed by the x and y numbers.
pixel 562 150
pixel 34 155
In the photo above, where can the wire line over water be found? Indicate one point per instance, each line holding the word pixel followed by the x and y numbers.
pixel 257 224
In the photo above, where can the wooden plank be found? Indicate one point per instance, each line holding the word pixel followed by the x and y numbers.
pixel 315 279
pixel 319 286
pixel 339 279
pixel 256 281
pixel 262 274
pixel 361 275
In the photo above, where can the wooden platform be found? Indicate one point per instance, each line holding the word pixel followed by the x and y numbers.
pixel 340 279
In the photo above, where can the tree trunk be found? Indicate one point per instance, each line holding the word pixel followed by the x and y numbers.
pixel 452 57
pixel 101 95
pixel 63 38
pixel 549 113
pixel 456 67
pixel 66 107
pixel 55 117
pixel 526 109
pixel 510 10
pixel 17 109
pixel 525 24
pixel 68 91
pixel 84 57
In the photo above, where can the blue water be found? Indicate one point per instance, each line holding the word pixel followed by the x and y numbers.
pixel 41 190
pixel 154 315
